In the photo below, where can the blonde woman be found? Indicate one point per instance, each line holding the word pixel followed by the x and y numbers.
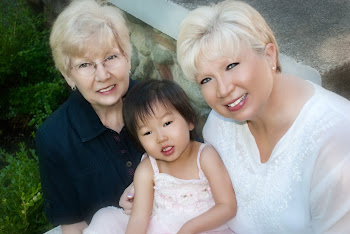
pixel 283 140
pixel 86 157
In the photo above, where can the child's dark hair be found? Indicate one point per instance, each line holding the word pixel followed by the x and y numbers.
pixel 141 99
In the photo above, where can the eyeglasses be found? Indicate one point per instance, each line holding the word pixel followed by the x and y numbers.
pixel 89 68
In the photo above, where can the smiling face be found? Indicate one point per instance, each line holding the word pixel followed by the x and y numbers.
pixel 165 135
pixel 238 88
pixel 107 85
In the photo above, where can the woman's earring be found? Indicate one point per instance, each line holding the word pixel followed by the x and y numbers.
pixel 129 72
pixel 74 88
pixel 273 68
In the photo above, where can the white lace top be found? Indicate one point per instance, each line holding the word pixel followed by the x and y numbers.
pixel 305 185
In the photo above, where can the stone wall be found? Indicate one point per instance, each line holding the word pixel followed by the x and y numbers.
pixel 154 56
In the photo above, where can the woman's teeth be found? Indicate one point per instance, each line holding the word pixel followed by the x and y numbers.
pixel 107 89
pixel 237 101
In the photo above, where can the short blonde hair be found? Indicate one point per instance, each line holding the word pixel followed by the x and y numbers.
pixel 88 27
pixel 221 30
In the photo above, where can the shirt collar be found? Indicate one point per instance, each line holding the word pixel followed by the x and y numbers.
pixel 84 117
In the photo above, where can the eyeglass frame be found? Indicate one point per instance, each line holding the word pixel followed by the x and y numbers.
pixel 94 64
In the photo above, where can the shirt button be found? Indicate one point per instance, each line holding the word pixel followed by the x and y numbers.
pixel 128 164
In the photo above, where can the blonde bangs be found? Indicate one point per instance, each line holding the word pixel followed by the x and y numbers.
pixel 218 45
pixel 98 39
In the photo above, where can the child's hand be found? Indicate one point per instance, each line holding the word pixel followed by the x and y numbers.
pixel 126 199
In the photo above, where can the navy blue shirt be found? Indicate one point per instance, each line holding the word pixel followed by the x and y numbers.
pixel 84 166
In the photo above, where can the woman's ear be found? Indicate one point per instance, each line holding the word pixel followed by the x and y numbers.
pixel 271 54
pixel 69 80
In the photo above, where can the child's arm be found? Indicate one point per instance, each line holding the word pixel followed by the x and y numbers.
pixel 143 200
pixel 225 207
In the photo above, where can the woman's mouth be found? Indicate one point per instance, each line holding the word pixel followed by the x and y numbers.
pixel 235 103
pixel 106 89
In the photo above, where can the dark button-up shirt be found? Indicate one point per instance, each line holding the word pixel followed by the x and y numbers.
pixel 84 166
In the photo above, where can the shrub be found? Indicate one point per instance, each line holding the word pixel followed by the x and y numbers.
pixel 31 89
pixel 21 209
pixel 44 98
pixel 31 86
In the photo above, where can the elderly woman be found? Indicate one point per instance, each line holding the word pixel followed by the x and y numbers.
pixel 284 140
pixel 86 156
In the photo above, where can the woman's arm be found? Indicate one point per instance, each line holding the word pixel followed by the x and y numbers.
pixel 76 228
pixel 143 200
pixel 225 207
pixel 330 186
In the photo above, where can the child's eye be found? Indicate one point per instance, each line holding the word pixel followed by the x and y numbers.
pixel 205 80
pixel 147 133
pixel 230 66
pixel 167 123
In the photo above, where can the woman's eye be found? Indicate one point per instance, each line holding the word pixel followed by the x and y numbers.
pixel 167 123
pixel 114 56
pixel 205 80
pixel 230 66
pixel 84 65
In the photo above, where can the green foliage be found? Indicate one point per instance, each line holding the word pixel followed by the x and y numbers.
pixel 27 72
pixel 31 89
pixel 45 99
pixel 21 209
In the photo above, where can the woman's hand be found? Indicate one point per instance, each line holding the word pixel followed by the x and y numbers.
pixel 127 198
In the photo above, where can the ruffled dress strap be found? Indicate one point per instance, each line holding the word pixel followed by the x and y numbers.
pixel 201 173
pixel 154 164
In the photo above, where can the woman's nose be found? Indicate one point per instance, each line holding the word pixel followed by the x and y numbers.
pixel 102 73
pixel 224 86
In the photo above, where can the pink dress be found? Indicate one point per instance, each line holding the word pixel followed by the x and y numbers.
pixel 175 202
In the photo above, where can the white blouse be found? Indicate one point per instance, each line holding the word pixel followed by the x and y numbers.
pixel 305 185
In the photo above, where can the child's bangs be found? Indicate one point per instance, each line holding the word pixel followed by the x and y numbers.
pixel 148 109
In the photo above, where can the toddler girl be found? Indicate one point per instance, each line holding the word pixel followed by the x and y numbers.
pixel 181 186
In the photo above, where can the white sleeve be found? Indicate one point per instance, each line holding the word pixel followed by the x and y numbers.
pixel 330 185
pixel 209 129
